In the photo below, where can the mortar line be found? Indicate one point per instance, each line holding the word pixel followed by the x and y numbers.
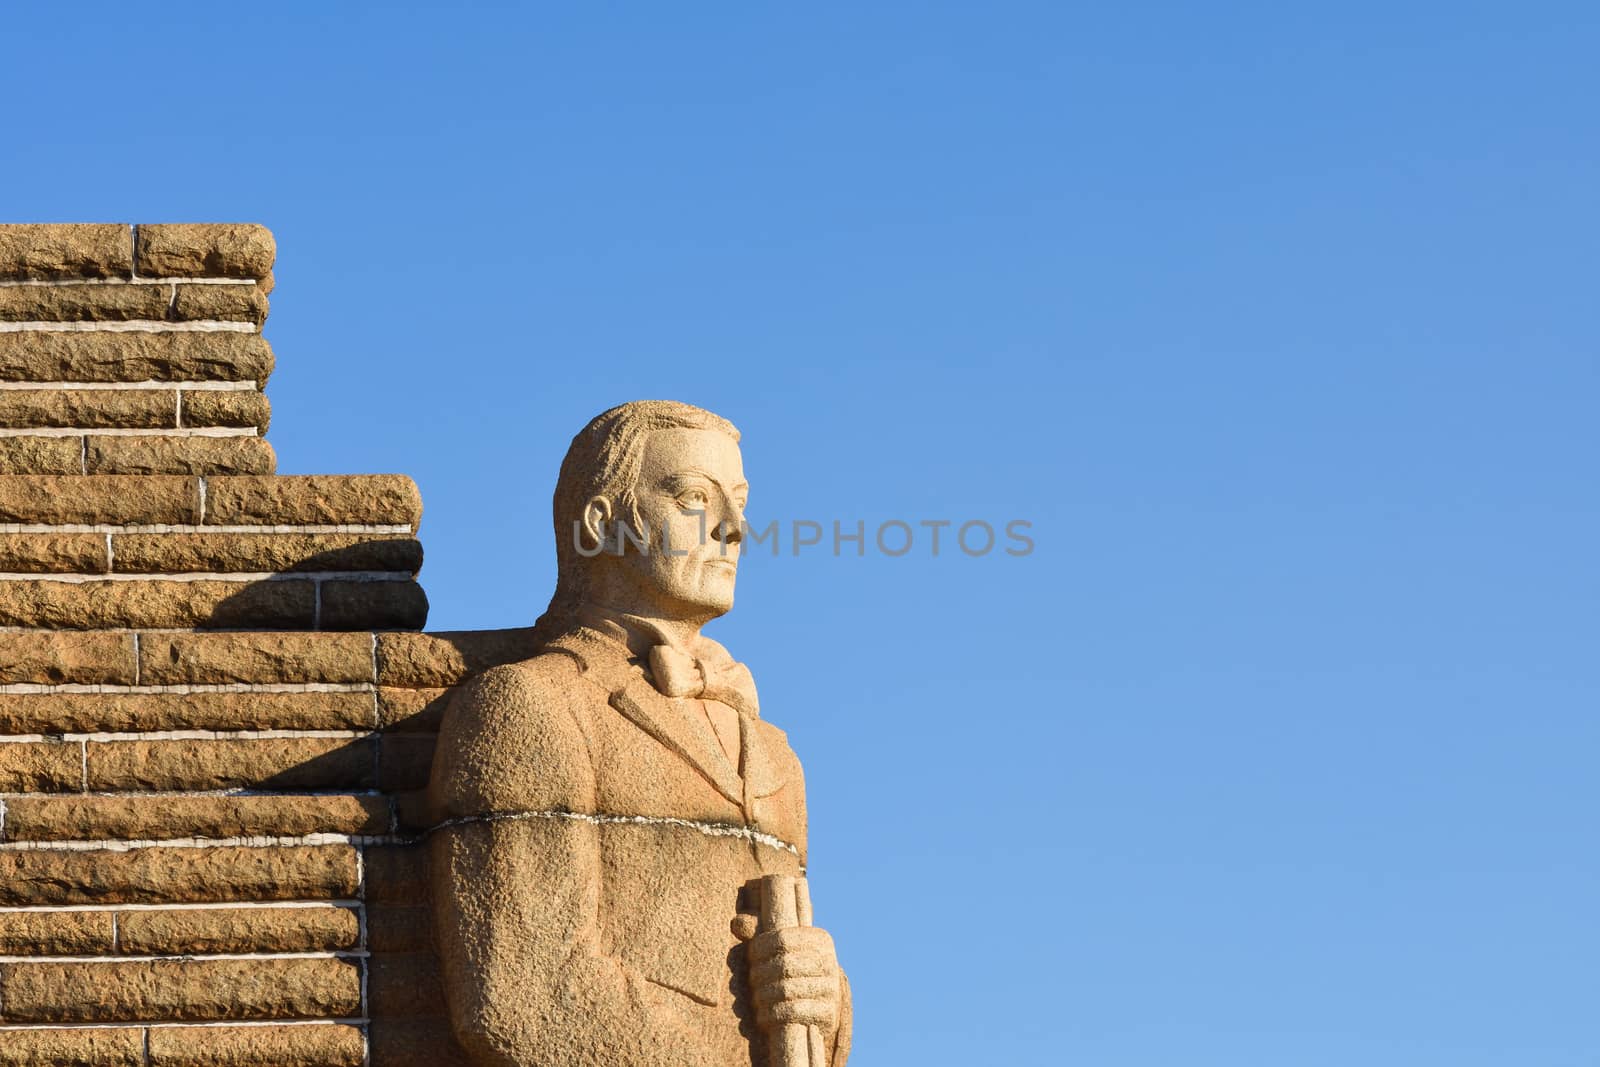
pixel 187 432
pixel 149 385
pixel 241 793
pixel 344 903
pixel 130 326
pixel 336 954
pixel 42 688
pixel 359 841
pixel 210 1024
pixel 374 529
pixel 210 576
pixel 135 279
pixel 102 737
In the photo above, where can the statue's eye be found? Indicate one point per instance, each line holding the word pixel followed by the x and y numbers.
pixel 693 498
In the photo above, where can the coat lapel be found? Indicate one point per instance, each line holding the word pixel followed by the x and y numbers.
pixel 762 778
pixel 675 724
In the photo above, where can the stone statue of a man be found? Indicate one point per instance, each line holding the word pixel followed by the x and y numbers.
pixel 610 812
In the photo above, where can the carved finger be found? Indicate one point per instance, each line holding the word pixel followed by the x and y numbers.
pixel 792 965
pixel 820 1013
pixel 790 939
pixel 771 994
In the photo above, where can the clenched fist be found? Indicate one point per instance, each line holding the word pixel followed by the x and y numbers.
pixel 794 978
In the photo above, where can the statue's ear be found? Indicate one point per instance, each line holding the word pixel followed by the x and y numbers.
pixel 596 522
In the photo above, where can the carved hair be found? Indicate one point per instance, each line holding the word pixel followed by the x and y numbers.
pixel 604 460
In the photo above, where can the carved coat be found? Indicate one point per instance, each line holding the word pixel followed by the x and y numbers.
pixel 595 852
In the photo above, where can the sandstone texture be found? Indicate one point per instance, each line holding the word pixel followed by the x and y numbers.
pixel 113 500
pixel 178 454
pixel 88 408
pixel 67 659
pixel 225 407
pixel 167 818
pixel 73 712
pixel 180 990
pixel 162 875
pixel 135 302
pixel 84 303
pixel 204 250
pixel 52 1047
pixel 157 604
pixel 174 553
pixel 412 709
pixel 134 357
pixel 280 763
pixel 220 303
pixel 319 1045
pixel 53 554
pixel 443 659
pixel 215 931
pixel 386 499
pixel 176 659
pixel 41 767
pixel 56 933
pixel 41 455
pixel 372 605
pixel 39 251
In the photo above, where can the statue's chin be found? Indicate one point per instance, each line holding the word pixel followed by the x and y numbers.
pixel 716 604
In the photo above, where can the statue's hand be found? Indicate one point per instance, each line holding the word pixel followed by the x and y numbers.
pixel 794 978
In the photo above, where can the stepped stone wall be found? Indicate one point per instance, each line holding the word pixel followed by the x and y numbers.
pixel 216 712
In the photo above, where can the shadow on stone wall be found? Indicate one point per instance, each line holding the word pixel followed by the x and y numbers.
pixel 384 769
pixel 368 585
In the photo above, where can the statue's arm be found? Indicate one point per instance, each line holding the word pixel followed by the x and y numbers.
pixel 841 1038
pixel 516 889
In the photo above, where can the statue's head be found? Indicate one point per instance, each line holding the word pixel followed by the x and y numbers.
pixel 649 513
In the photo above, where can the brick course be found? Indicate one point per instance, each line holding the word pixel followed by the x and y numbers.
pixel 217 716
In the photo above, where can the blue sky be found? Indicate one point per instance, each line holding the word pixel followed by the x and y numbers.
pixel 1275 321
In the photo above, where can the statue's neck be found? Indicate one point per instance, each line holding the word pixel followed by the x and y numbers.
pixel 639 633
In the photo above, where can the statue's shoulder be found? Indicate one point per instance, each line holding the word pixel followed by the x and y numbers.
pixel 540 681
pixel 510 728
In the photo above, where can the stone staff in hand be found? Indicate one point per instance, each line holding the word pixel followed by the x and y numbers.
pixel 794 976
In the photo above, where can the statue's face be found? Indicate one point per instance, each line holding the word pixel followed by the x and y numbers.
pixel 691 496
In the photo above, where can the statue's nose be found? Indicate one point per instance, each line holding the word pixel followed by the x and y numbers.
pixel 730 531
